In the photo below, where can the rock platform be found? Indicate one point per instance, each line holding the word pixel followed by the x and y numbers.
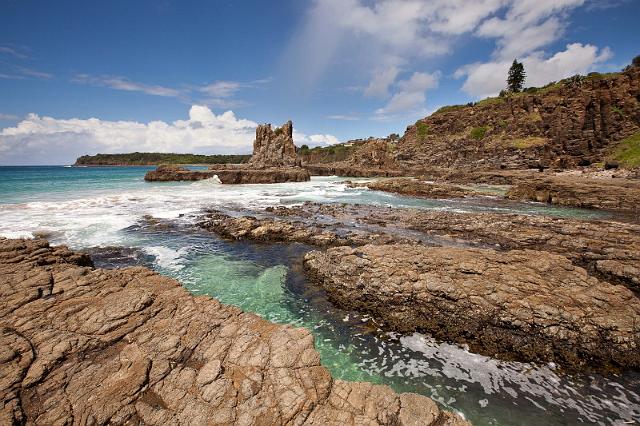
pixel 80 345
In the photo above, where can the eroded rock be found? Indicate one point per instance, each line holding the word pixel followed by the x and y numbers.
pixel 91 346
pixel 522 304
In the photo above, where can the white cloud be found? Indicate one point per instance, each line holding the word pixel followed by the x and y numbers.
pixel 8 116
pixel 410 95
pixel 8 50
pixel 300 138
pixel 122 83
pixel 221 89
pixel 17 72
pixel 388 35
pixel 527 25
pixel 343 117
pixel 382 79
pixel 487 79
pixel 217 94
pixel 47 140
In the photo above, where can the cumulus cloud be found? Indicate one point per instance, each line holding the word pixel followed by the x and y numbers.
pixel 389 35
pixel 487 79
pixel 410 95
pixel 300 138
pixel 527 25
pixel 46 140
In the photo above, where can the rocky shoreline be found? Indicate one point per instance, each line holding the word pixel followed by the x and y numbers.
pixel 95 346
pixel 535 288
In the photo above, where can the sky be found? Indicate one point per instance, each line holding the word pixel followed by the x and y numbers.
pixel 82 77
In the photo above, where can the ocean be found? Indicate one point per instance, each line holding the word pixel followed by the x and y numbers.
pixel 112 213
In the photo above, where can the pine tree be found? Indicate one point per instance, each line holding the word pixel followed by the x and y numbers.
pixel 515 80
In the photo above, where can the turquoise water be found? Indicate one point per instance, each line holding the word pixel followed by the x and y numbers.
pixel 105 210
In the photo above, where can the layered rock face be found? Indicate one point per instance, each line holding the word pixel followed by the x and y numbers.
pixel 128 346
pixel 527 305
pixel 574 122
pixel 274 148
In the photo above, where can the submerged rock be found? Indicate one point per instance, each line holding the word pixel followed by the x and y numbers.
pixel 522 304
pixel 128 346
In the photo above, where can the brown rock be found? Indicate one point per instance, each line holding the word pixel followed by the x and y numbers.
pixel 128 346
pixel 526 305
pixel 575 191
pixel 274 148
pixel 419 188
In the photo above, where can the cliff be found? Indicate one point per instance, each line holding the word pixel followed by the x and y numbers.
pixel 577 121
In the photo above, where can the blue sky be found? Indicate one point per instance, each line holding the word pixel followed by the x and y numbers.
pixel 115 76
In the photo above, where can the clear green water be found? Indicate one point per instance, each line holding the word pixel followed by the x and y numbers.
pixel 95 208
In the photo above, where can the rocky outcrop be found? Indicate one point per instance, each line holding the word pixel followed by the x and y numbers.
pixel 612 194
pixel 274 160
pixel 573 122
pixel 525 305
pixel 278 230
pixel 419 188
pixel 350 170
pixel 609 250
pixel 274 148
pixel 170 173
pixel 242 175
pixel 80 345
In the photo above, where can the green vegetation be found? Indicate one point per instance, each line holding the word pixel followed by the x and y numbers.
pixel 448 108
pixel 516 77
pixel 618 111
pixel 627 152
pixel 152 158
pixel 490 101
pixel 327 154
pixel 278 131
pixel 422 130
pixel 478 132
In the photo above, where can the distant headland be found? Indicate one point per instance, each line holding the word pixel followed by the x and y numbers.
pixel 155 158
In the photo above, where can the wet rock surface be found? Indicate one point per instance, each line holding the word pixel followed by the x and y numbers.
pixel 90 346
pixel 521 304
pixel 243 175
pixel 419 188
pixel 611 194
pixel 278 230
pixel 172 173
pixel 609 250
